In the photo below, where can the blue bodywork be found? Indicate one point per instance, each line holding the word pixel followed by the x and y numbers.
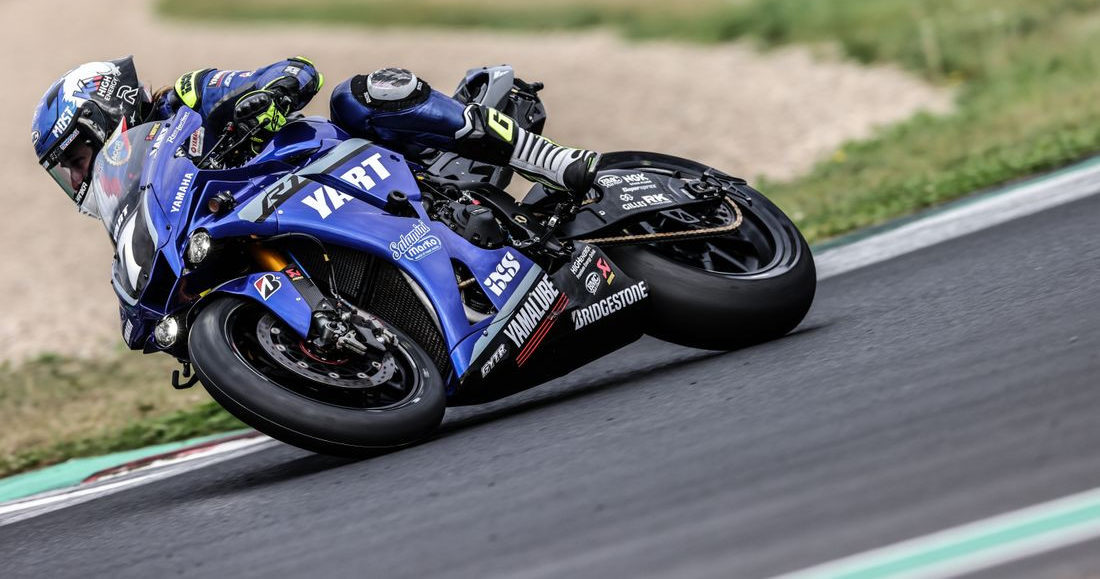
pixel 311 178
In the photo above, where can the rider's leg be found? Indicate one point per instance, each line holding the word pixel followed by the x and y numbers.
pixel 394 106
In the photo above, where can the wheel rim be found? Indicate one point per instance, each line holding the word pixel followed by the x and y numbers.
pixel 762 246
pixel 273 350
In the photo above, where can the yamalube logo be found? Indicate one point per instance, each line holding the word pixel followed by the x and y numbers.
pixel 505 272
pixel 417 244
pixel 610 181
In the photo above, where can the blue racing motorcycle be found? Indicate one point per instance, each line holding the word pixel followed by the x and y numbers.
pixel 338 296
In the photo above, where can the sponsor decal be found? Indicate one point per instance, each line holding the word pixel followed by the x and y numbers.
pixel 609 305
pixel 505 272
pixel 194 147
pixel 324 200
pixel 358 175
pixel 592 283
pixel 186 84
pixel 35 135
pixel 117 151
pixel 610 180
pixel 217 78
pixel 605 270
pixel 128 93
pixel 582 261
pixel 626 197
pixel 68 141
pixel 293 273
pixel 163 132
pixel 179 128
pixel 653 200
pixel 267 285
pixel 91 78
pixel 63 121
pixel 292 70
pixel 262 206
pixel 127 330
pixel 153 130
pixel 534 318
pixel 636 179
pixel 181 192
pixel 417 244
pixel 493 360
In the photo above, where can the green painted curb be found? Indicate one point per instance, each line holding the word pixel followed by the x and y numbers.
pixel 71 472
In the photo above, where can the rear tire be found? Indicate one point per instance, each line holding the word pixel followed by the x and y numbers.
pixel 243 378
pixel 748 286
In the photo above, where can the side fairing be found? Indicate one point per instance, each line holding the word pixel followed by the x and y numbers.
pixel 339 198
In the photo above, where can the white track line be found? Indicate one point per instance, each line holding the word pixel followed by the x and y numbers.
pixel 30 507
pixel 995 209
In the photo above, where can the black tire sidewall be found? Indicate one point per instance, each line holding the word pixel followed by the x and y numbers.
pixel 290 417
pixel 693 307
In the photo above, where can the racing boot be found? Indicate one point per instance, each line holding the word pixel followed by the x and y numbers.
pixel 494 137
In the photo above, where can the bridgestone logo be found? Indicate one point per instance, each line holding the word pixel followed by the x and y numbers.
pixel 531 312
pixel 610 305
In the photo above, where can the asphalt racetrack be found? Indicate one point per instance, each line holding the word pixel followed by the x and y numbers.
pixel 941 387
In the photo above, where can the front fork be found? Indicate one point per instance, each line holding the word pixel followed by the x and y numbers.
pixel 335 323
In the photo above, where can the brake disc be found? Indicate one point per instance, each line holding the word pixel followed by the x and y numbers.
pixel 291 352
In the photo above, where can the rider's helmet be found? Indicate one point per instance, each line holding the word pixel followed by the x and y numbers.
pixel 78 113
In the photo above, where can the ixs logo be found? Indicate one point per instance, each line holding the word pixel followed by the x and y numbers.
pixel 417 244
pixel 610 181
pixel 267 285
pixel 493 360
pixel 505 272
pixel 610 305
pixel 529 314
pixel 181 192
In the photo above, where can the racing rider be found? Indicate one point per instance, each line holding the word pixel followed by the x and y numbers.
pixel 392 106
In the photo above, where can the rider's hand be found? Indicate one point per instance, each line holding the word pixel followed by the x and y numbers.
pixel 259 108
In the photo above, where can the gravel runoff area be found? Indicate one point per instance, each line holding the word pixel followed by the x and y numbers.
pixel 752 114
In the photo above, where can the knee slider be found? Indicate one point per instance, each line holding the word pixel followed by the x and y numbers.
pixel 390 89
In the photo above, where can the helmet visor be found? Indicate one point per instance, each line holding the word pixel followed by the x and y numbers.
pixel 70 164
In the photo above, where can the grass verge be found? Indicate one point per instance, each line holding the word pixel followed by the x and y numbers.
pixel 1025 71
pixel 56 408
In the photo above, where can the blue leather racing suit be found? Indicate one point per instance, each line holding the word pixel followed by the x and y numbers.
pixel 391 106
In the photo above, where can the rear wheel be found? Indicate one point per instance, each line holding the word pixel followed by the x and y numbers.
pixel 751 284
pixel 255 366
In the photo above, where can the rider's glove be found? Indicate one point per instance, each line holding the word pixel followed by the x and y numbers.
pixel 262 110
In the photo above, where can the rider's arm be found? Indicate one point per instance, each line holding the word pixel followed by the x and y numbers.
pixel 214 93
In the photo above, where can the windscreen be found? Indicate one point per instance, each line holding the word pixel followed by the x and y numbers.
pixel 116 179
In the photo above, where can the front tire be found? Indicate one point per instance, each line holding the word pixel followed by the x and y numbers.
pixel 240 368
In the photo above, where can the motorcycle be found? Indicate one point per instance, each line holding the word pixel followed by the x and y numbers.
pixel 338 296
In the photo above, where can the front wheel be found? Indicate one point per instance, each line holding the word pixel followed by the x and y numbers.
pixel 256 367
pixel 752 284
